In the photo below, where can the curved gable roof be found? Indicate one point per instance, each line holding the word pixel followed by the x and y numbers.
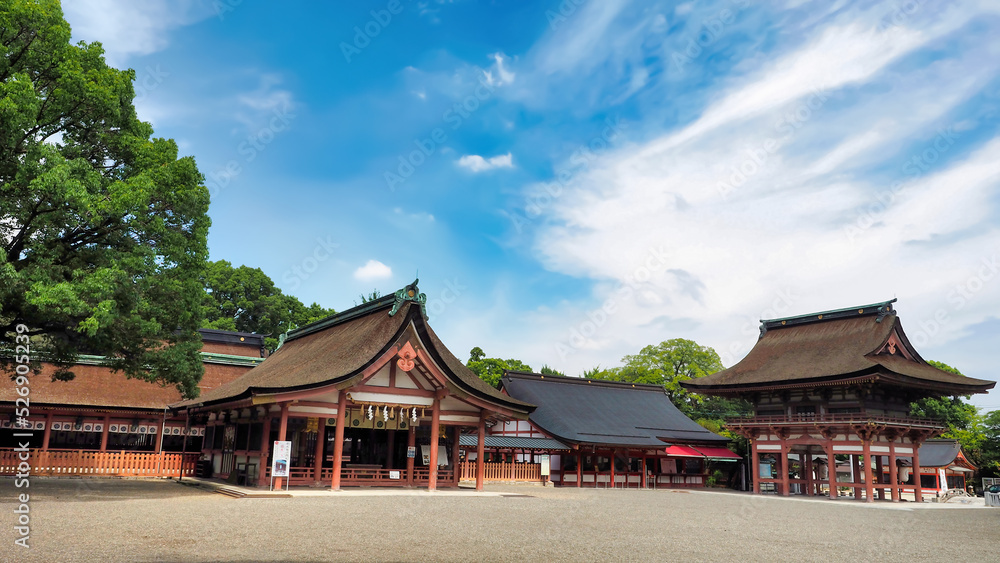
pixel 595 412
pixel 831 346
pixel 342 346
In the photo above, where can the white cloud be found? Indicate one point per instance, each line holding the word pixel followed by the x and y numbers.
pixel 476 163
pixel 373 270
pixel 127 28
pixel 803 228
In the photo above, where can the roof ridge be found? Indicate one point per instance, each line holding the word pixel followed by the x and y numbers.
pixel 580 380
pixel 882 309
pixel 395 300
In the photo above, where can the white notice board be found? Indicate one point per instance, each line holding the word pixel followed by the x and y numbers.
pixel 282 459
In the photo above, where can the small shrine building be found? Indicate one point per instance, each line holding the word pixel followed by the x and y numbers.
pixel 102 423
pixel 836 383
pixel 615 434
pixel 369 396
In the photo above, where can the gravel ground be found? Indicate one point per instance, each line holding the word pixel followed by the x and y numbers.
pixel 121 520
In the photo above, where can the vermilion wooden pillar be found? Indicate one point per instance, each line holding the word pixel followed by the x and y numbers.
pixel 338 437
pixel 754 468
pixel 893 472
pixel 831 469
pixel 880 490
pixel 282 433
pixel 435 430
pixel 612 469
pixel 265 447
pixel 808 467
pixel 579 469
pixel 48 431
pixel 320 442
pixel 644 472
pixel 456 459
pixel 867 471
pixel 104 432
pixel 918 491
pixel 481 452
pixel 856 474
pixel 785 490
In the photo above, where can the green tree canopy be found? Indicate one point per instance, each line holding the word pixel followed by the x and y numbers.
pixel 668 364
pixel 246 299
pixel 102 227
pixel 491 370
pixel 546 370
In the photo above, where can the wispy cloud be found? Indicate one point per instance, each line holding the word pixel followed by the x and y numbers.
pixel 126 28
pixel 476 163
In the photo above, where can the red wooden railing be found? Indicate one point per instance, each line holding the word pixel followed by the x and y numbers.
pixel 502 471
pixel 355 477
pixel 808 418
pixel 91 463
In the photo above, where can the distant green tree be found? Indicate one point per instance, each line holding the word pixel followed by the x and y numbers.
pixel 246 299
pixel 989 460
pixel 546 370
pixel 374 295
pixel 491 370
pixel 103 228
pixel 668 364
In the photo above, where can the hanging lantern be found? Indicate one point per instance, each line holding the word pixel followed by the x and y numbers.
pixel 414 418
pixel 370 414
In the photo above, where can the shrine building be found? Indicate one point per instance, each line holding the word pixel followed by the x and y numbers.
pixel 615 434
pixel 102 423
pixel 369 396
pixel 836 383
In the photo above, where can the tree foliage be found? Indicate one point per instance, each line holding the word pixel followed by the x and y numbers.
pixel 102 227
pixel 546 370
pixel 246 299
pixel 668 364
pixel 491 370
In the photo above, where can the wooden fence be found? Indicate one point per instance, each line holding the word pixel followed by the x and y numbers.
pixel 503 471
pixel 88 463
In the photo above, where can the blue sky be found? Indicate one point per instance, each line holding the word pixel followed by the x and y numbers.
pixel 575 180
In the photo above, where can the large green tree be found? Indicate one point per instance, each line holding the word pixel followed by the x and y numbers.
pixel 491 370
pixel 246 299
pixel 668 364
pixel 963 423
pixel 102 227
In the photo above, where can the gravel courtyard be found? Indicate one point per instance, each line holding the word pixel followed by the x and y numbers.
pixel 112 520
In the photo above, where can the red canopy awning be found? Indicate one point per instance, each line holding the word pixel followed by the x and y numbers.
pixel 718 453
pixel 682 451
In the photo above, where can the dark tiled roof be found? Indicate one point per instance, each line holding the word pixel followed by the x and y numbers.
pixel 585 411
pixel 342 346
pixel 816 349
pixel 935 453
pixel 513 442
pixel 231 337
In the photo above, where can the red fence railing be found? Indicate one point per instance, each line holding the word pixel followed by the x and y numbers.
pixel 98 464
